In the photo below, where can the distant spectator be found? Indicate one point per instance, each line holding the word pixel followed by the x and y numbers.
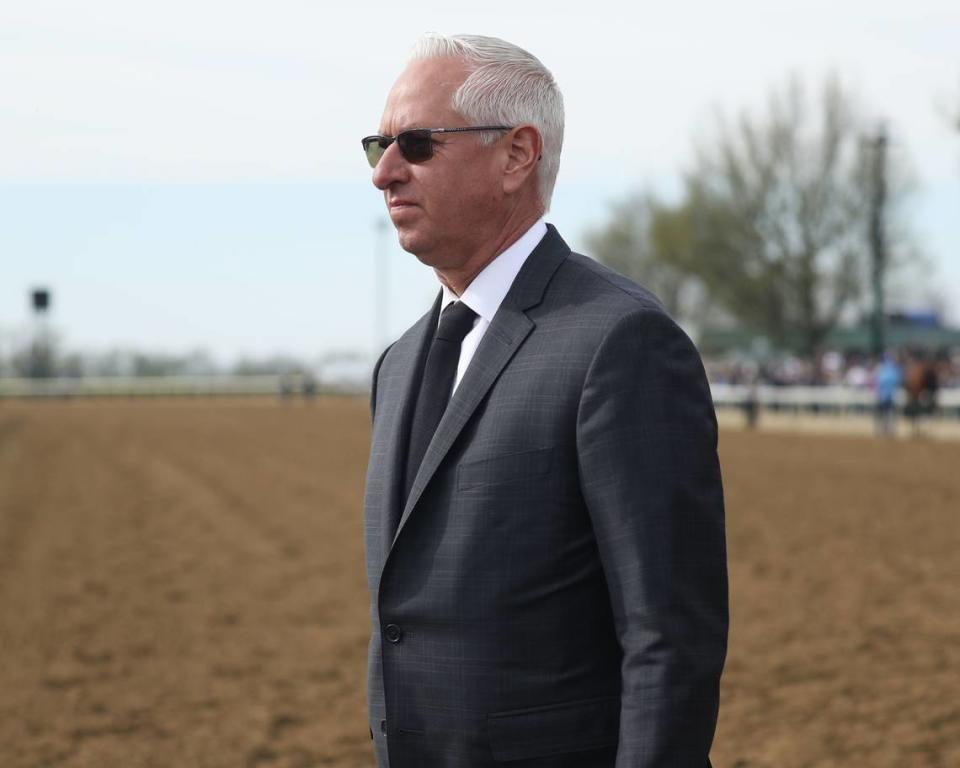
pixel 929 384
pixel 887 382
pixel 751 399
pixel 913 384
pixel 309 386
pixel 857 375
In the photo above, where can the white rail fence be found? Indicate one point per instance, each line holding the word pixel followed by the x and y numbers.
pixel 171 386
pixel 829 399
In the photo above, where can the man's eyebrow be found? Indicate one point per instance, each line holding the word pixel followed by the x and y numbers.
pixel 414 125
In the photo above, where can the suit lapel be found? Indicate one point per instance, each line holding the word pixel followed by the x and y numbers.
pixel 397 424
pixel 508 330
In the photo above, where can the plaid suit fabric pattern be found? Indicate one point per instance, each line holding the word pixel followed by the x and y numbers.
pixel 554 592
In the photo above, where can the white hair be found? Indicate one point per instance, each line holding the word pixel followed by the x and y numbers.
pixel 506 86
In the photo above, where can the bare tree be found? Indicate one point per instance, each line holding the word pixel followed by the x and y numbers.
pixel 773 229
pixel 779 212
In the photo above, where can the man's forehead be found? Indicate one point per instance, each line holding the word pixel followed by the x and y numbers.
pixel 423 91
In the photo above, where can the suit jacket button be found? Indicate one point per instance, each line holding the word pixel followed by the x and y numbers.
pixel 383 727
pixel 392 633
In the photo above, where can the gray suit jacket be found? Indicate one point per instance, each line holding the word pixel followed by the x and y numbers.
pixel 553 592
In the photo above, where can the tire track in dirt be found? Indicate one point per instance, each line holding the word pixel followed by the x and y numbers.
pixel 196 635
pixel 17 501
pixel 61 604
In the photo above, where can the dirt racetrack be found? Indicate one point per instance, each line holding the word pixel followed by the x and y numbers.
pixel 181 585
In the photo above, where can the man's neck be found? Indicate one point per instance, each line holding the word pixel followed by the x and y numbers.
pixel 457 280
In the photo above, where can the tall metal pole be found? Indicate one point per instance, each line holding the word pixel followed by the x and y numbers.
pixel 382 282
pixel 878 198
pixel 41 347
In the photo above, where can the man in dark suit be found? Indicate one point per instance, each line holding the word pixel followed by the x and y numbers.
pixel 544 512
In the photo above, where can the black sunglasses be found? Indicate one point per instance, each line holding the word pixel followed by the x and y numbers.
pixel 416 145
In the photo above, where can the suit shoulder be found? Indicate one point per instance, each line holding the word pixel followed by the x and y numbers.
pixel 585 282
pixel 593 304
pixel 373 381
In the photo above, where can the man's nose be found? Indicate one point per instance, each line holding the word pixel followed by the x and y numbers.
pixel 391 169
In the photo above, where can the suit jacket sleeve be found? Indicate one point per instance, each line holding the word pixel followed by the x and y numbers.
pixel 650 477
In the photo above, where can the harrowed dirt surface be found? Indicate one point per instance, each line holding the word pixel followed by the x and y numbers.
pixel 181 584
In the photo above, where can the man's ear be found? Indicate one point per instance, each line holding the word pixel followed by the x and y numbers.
pixel 523 153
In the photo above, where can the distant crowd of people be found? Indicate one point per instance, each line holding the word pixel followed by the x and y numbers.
pixel 832 368
pixel 918 373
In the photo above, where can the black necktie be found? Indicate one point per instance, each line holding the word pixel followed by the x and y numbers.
pixel 439 373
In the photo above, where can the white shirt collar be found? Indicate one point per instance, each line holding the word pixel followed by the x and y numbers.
pixel 486 292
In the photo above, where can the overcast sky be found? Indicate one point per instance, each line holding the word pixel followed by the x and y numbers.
pixel 189 174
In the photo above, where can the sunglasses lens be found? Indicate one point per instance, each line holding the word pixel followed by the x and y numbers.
pixel 374 147
pixel 415 146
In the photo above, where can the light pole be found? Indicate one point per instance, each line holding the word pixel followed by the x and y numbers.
pixel 41 347
pixel 878 197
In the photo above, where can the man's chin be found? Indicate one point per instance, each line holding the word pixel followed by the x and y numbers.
pixel 413 243
pixel 407 240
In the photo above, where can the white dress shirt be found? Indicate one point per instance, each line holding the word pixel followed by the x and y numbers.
pixel 486 292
